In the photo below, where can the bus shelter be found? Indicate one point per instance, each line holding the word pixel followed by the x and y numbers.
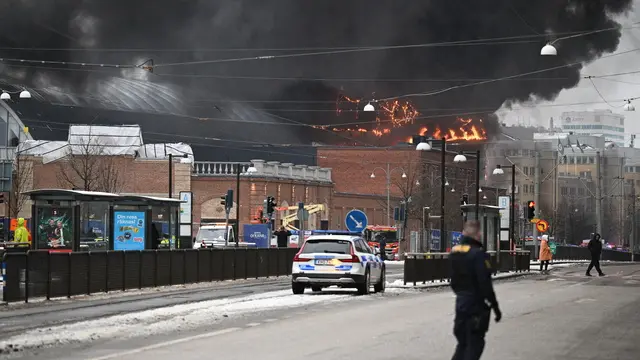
pixel 76 220
pixel 489 223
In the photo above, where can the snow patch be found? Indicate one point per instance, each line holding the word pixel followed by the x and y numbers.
pixel 163 320
pixel 440 283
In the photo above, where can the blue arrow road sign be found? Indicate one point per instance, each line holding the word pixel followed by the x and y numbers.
pixel 356 220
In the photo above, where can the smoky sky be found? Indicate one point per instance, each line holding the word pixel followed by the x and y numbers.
pixel 190 30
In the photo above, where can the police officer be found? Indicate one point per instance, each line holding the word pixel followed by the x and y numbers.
pixel 382 246
pixel 471 282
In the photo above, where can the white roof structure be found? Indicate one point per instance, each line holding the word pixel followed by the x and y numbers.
pixel 102 141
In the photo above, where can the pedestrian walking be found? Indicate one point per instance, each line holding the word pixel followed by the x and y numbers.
pixel 471 282
pixel 595 248
pixel 283 237
pixel 382 246
pixel 545 255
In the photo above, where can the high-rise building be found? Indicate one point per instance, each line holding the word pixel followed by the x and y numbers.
pixel 595 123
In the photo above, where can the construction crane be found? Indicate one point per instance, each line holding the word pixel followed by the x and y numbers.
pixel 287 221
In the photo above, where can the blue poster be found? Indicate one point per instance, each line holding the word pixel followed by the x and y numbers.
pixel 435 239
pixel 128 230
pixel 257 234
pixel 455 238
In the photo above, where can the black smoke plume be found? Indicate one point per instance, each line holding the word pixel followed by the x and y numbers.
pixel 182 31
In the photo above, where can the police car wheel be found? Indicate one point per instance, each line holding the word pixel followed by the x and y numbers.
pixel 365 287
pixel 297 289
pixel 381 285
pixel 316 288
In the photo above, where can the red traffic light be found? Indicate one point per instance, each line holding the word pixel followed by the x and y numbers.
pixel 532 204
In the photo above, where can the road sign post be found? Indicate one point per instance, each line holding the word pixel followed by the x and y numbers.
pixel 356 220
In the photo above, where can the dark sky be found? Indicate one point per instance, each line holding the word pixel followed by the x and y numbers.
pixel 190 30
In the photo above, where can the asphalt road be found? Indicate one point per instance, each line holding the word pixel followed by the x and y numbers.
pixel 560 316
pixel 19 317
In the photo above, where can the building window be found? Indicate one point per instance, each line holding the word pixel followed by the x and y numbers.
pixel 563 190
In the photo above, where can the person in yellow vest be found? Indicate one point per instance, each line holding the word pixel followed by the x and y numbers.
pixel 21 234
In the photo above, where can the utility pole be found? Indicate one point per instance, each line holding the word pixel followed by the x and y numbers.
pixel 598 195
pixel 632 241
pixel 536 201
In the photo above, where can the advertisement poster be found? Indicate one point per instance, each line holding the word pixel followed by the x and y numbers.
pixel 128 230
pixel 55 229
pixel 257 234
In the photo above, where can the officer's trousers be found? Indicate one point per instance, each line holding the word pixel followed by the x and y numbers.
pixel 470 331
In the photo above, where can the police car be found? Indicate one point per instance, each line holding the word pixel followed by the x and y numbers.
pixel 342 260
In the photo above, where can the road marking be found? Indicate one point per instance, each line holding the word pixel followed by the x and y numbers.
pixel 253 324
pixel 166 344
pixel 270 320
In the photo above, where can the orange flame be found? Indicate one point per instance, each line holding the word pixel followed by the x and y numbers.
pixel 399 114
pixel 467 131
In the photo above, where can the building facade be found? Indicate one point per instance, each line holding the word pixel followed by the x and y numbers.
pixel 595 123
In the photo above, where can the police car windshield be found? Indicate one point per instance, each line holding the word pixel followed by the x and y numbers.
pixel 210 234
pixel 327 246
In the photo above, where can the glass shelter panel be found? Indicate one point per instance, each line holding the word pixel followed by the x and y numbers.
pixel 94 226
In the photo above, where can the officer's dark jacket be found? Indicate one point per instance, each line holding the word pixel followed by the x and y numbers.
pixel 471 277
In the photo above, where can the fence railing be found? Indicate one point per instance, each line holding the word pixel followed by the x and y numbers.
pixel 40 274
pixel 424 267
pixel 582 253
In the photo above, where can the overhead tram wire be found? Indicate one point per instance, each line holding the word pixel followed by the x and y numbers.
pixel 456 87
pixel 329 48
pixel 475 42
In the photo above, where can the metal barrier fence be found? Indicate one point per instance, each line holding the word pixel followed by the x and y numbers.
pixel 40 274
pixel 423 267
pixel 582 253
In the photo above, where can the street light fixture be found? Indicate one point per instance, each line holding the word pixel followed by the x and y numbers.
pixel 24 94
pixel 498 170
pixel 369 108
pixel 627 107
pixel 459 158
pixel 549 50
pixel 423 145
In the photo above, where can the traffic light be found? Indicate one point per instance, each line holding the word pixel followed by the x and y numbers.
pixel 531 209
pixel 227 200
pixel 270 205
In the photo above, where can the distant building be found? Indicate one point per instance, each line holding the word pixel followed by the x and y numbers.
pixel 595 123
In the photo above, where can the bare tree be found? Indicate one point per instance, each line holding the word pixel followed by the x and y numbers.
pixel 88 166
pixel 22 181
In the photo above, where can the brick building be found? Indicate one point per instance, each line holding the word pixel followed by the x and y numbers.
pixel 340 183
pixel 411 175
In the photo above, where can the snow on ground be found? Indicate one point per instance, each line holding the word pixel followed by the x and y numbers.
pixel 164 320
pixel 438 283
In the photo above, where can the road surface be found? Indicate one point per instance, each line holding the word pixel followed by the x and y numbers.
pixel 18 317
pixel 560 316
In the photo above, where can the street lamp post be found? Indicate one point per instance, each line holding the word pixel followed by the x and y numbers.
pixel 425 146
pixel 512 204
pixel 462 158
pixel 388 172
pixel 185 156
pixel 250 170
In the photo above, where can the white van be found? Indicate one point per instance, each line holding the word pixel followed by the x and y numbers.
pixel 213 236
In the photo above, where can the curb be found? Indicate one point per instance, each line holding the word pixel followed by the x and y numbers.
pixel 447 284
